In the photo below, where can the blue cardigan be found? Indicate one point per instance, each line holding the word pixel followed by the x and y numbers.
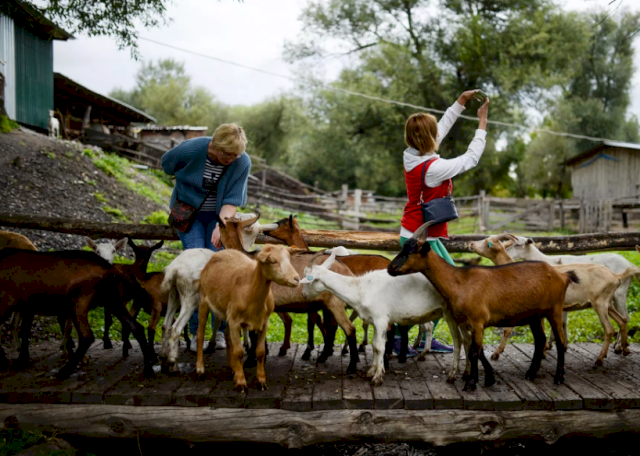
pixel 186 162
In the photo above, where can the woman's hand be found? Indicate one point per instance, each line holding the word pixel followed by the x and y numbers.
pixel 215 237
pixel 466 96
pixel 483 114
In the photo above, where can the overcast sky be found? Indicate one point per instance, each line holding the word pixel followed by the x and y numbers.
pixel 250 33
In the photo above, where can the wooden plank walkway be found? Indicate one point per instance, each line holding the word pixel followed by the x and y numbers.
pixel 305 386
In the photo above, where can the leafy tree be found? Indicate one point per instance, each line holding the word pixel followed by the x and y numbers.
pixel 164 90
pixel 413 53
pixel 593 103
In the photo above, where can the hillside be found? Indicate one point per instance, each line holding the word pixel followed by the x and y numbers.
pixel 56 178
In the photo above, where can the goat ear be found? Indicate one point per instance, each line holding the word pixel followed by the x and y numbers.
pixel 291 219
pixel 424 248
pixel 158 245
pixel 121 243
pixel 529 241
pixel 327 264
pixel 90 243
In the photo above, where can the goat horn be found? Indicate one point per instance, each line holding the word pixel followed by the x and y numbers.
pixel 268 227
pixel 421 232
pixel 327 264
pixel 315 256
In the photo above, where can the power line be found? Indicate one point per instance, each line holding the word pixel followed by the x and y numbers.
pixel 380 99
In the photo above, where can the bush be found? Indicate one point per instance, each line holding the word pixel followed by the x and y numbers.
pixel 7 125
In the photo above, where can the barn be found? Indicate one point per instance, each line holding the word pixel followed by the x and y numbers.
pixel 26 62
pixel 606 178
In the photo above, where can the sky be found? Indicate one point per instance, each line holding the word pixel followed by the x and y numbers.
pixel 250 33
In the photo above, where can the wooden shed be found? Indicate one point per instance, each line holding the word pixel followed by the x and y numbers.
pixel 606 179
pixel 26 62
pixel 610 170
pixel 167 137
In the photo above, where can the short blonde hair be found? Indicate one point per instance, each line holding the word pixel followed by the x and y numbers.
pixel 421 132
pixel 229 138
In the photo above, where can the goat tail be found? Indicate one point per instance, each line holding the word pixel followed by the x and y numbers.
pixel 571 275
pixel 168 281
pixel 633 271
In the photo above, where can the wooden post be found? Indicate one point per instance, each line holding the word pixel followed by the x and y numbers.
pixel 481 226
pixel 562 214
pixel 486 212
pixel 345 197
pixel 357 200
pixel 552 209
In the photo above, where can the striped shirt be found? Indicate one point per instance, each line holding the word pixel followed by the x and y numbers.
pixel 211 176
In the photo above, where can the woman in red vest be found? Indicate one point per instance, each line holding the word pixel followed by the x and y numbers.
pixel 423 134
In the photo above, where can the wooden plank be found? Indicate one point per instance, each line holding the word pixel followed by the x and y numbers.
pixel 625 393
pixel 277 369
pixel 34 384
pixel 414 389
pixel 298 394
pixel 327 392
pixel 473 400
pixel 445 395
pixel 530 395
pixel 356 388
pixel 298 429
pixel 564 397
pixel 100 360
pixel 93 392
pixel 198 393
pixel 629 365
pixel 220 377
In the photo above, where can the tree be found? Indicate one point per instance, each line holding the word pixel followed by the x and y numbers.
pixel 410 52
pixel 164 90
pixel 593 103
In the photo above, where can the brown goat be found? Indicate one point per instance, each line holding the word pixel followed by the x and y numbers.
pixel 66 284
pixel 515 294
pixel 237 289
pixel 10 240
pixel 595 290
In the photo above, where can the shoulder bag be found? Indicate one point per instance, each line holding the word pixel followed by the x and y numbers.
pixel 437 210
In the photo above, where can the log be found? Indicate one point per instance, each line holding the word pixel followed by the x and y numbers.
pixel 366 240
pixel 298 429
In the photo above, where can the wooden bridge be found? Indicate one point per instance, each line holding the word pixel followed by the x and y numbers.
pixel 308 403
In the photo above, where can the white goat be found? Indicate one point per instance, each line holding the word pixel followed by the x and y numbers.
pixel 108 249
pixel 524 249
pixel 181 286
pixel 380 300
pixel 595 290
pixel 54 125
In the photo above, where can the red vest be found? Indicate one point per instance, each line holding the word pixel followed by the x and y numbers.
pixel 412 217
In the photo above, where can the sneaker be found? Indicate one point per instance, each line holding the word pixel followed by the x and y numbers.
pixel 397 344
pixel 439 347
pixel 221 344
pixel 193 346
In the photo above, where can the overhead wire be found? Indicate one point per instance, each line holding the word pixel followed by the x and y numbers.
pixel 380 99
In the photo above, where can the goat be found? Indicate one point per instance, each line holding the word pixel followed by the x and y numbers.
pixel 10 240
pixel 289 231
pixel 524 249
pixel 237 289
pixel 180 290
pixel 54 125
pixel 596 288
pixel 106 250
pixel 66 284
pixel 381 300
pixel 479 296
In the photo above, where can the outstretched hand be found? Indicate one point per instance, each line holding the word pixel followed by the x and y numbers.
pixel 466 96
pixel 483 114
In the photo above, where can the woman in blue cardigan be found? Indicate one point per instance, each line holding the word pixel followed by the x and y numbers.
pixel 199 165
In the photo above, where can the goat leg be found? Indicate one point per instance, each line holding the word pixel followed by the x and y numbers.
pixel 287 321
pixel 25 333
pixel 120 311
pixel 404 341
pixel 503 343
pixel 539 339
pixel 108 321
pixel 252 360
pixel 261 354
pixel 312 319
pixel 85 337
pixel 388 346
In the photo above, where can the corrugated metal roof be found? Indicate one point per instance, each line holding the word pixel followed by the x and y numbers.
pixel 31 18
pixel 599 147
pixel 172 128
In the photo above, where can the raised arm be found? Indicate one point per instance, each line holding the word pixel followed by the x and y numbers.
pixel 451 115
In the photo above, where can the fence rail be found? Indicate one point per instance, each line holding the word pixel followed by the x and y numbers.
pixel 318 238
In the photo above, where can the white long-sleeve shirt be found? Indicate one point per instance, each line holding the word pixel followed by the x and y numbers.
pixel 443 168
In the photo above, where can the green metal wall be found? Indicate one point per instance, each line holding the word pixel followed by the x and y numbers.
pixel 34 78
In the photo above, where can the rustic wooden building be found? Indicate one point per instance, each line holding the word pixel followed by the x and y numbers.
pixel 165 137
pixel 606 179
pixel 610 170
pixel 26 62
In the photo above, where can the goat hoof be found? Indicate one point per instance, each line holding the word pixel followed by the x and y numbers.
pixel 345 351
pixel 282 351
pixel 469 386
pixel 626 352
pixel 402 359
pixel 200 376
pixel 489 381
pixel 361 349
pixel 306 356
pixel 126 344
pixel 495 356
pixel 352 369
pixel 262 386
pixel 21 364
pixel 63 374
pixel 241 388
pixel 148 372
pixel 323 358
pixel 210 349
pixel 451 380
pixel 250 362
pixel 558 379
pixel 107 345
pixel 530 375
